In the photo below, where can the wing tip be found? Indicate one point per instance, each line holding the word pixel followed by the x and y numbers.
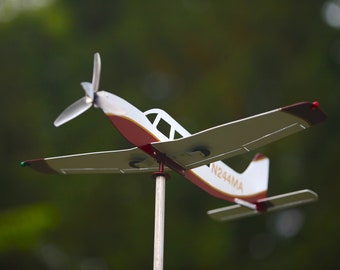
pixel 39 165
pixel 308 111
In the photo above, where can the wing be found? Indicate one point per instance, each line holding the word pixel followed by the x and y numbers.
pixel 240 136
pixel 122 161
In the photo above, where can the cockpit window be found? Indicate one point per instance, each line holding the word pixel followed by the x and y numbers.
pixel 166 124
pixel 177 135
pixel 151 117
pixel 164 127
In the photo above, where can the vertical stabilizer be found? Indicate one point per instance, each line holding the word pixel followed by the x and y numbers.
pixel 256 178
pixel 221 181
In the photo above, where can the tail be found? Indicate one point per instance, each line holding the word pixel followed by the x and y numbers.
pixel 244 209
pixel 251 185
pixel 256 178
pixel 252 200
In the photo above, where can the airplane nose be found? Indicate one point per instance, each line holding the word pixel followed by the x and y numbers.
pixel 110 103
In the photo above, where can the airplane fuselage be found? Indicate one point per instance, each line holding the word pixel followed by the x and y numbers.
pixel 217 179
pixel 159 138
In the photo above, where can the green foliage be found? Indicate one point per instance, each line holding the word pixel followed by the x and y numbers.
pixel 22 228
pixel 205 63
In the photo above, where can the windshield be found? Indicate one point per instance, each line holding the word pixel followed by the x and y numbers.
pixel 165 124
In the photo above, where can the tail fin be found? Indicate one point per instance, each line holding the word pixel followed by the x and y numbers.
pixel 221 181
pixel 244 208
pixel 256 178
pixel 251 185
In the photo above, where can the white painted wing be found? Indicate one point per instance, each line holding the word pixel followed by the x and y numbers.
pixel 120 161
pixel 235 138
pixel 267 205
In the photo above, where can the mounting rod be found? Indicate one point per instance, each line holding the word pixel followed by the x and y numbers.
pixel 158 255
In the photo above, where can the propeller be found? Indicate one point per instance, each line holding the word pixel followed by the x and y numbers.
pixel 87 101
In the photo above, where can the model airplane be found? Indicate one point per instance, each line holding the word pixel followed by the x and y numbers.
pixel 194 156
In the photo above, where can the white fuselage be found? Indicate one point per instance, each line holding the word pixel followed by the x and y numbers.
pixel 218 179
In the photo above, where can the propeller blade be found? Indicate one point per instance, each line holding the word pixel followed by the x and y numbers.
pixel 86 102
pixel 73 111
pixel 96 72
pixel 88 88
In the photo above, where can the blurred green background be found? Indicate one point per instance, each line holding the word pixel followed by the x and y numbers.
pixel 205 63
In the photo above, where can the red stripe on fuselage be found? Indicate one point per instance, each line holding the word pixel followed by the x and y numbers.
pixel 200 182
pixel 132 131
pixel 142 138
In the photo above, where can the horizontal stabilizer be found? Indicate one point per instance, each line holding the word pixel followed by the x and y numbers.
pixel 263 205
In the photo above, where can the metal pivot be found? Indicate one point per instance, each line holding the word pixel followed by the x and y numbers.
pixel 158 254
